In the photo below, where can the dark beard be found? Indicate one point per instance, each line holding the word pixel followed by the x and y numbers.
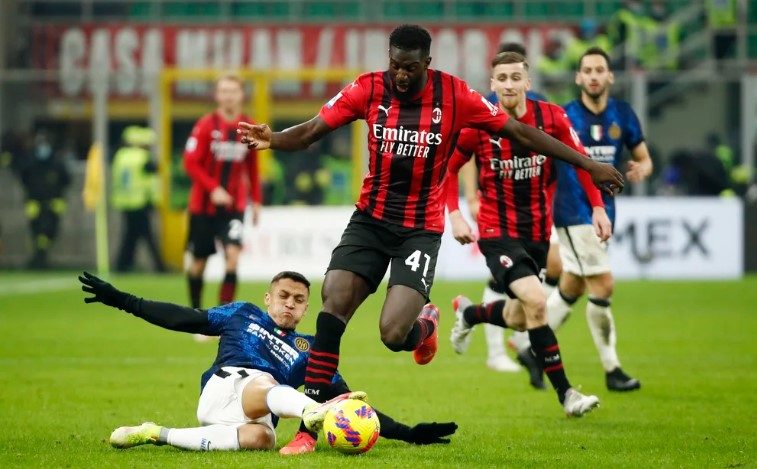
pixel 596 95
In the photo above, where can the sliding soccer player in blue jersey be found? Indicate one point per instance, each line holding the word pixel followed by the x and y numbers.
pixel 260 362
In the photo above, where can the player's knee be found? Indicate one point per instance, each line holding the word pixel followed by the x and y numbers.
pixel 572 285
pixel 197 266
pixel 232 258
pixel 608 285
pixel 554 267
pixel 602 286
pixel 515 320
pixel 339 302
pixel 534 300
pixel 338 309
pixel 535 306
pixel 231 262
pixel 257 437
pixel 393 338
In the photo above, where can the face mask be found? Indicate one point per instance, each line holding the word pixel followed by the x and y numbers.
pixel 43 151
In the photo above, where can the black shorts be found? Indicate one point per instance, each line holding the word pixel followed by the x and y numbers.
pixel 369 246
pixel 205 229
pixel 510 259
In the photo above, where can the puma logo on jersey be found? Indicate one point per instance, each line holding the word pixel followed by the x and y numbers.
pixel 385 109
pixel 497 142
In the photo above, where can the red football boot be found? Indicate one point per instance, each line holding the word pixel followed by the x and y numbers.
pixel 303 443
pixel 427 349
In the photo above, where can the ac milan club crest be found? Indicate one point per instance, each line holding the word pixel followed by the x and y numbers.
pixel 505 261
pixel 436 115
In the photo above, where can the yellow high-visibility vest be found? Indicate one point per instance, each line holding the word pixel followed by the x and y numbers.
pixel 132 187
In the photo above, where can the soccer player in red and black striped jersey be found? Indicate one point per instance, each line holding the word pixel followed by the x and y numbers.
pixel 413 114
pixel 224 175
pixel 515 221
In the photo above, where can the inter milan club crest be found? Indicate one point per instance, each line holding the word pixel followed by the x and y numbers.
pixel 615 131
pixel 596 132
pixel 302 344
pixel 436 115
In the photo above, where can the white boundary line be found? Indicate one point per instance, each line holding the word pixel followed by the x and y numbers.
pixel 14 288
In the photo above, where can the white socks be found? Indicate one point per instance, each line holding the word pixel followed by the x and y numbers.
pixel 490 296
pixel 548 289
pixel 283 401
pixel 286 402
pixel 520 340
pixel 602 327
pixel 495 335
pixel 212 437
pixel 495 340
pixel 557 310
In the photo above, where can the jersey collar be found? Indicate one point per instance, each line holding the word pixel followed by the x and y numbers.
pixel 581 103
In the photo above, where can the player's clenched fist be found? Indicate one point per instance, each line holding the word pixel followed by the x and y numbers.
pixel 257 136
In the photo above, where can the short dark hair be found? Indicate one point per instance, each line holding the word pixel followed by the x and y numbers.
pixel 509 58
pixel 411 37
pixel 595 50
pixel 512 47
pixel 291 275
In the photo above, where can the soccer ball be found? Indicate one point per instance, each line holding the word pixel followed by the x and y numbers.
pixel 351 427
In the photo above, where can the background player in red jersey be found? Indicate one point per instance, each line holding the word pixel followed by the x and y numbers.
pixel 413 114
pixel 515 222
pixel 497 358
pixel 223 172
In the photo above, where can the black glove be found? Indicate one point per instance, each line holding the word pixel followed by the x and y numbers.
pixel 431 433
pixel 104 292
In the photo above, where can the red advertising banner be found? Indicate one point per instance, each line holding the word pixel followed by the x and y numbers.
pixel 136 52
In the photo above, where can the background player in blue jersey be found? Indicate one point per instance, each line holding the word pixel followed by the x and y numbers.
pixel 604 125
pixel 260 362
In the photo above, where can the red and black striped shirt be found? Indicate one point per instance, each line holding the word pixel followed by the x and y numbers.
pixel 517 185
pixel 213 157
pixel 410 142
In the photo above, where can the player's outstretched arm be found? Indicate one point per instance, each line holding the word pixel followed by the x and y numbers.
pixel 603 175
pixel 166 315
pixel 298 137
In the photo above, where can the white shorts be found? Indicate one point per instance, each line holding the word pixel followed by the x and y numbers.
pixel 581 251
pixel 221 399
pixel 553 237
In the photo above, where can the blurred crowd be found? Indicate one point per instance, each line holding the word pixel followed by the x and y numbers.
pixel 640 35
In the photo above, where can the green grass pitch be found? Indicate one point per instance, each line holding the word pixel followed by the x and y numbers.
pixel 71 373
